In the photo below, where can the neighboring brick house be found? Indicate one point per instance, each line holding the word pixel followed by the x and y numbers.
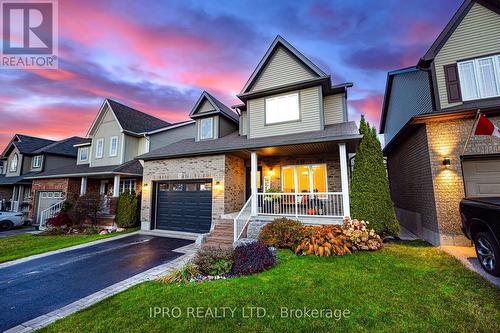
pixel 26 156
pixel 428 114
pixel 290 137
pixel 105 165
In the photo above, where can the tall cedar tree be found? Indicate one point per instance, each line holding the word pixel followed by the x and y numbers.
pixel 370 195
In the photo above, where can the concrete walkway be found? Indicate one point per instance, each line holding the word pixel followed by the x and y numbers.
pixel 467 256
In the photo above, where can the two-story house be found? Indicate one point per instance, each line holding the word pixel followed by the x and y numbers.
pixel 105 164
pixel 428 115
pixel 284 153
pixel 27 156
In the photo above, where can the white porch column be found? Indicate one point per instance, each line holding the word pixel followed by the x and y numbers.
pixel 116 186
pixel 83 186
pixel 253 181
pixel 13 198
pixel 344 177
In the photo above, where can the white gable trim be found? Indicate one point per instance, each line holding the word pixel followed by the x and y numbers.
pixel 204 95
pixel 97 121
pixel 280 41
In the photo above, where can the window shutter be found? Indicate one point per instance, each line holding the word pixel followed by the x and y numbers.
pixel 452 83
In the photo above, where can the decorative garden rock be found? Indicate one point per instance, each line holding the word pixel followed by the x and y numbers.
pixel 254 228
pixel 244 241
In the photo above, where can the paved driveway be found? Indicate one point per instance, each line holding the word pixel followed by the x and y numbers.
pixel 36 287
pixel 17 231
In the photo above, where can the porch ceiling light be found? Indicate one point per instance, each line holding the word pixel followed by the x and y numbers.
pixel 446 162
pixel 271 172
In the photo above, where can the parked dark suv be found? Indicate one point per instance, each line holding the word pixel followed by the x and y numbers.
pixel 481 224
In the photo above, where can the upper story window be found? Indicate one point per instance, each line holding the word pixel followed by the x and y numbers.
pixel 113 146
pixel 282 108
pixel 207 128
pixel 36 162
pixel 480 78
pixel 13 163
pixel 83 154
pixel 99 148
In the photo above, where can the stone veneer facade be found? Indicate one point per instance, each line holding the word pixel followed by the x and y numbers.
pixel 227 169
pixel 426 193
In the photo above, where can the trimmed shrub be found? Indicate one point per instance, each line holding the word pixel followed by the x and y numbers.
pixel 325 240
pixel 59 220
pixel 282 233
pixel 214 261
pixel 252 258
pixel 127 210
pixel 370 194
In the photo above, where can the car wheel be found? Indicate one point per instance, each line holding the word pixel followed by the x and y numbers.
pixel 6 225
pixel 487 252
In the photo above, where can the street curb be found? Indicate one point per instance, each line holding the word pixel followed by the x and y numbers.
pixel 66 249
pixel 83 303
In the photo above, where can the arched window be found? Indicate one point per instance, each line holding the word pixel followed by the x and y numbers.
pixel 13 163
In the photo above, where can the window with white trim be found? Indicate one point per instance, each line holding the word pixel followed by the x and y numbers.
pixel 128 185
pixel 83 154
pixel 36 162
pixel 304 178
pixel 99 148
pixel 480 78
pixel 207 128
pixel 113 146
pixel 282 108
pixel 13 163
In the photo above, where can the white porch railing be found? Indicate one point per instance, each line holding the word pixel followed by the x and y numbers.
pixel 242 219
pixel 49 212
pixel 326 204
pixel 14 206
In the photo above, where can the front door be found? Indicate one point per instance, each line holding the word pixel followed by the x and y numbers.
pixel 248 189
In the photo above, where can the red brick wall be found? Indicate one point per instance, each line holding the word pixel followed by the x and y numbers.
pixel 70 187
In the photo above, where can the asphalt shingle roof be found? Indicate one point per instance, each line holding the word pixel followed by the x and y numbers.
pixel 235 142
pixel 28 144
pixel 135 121
pixel 131 167
pixel 223 108
pixel 63 147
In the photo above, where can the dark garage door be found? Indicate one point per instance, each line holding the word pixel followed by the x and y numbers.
pixel 184 206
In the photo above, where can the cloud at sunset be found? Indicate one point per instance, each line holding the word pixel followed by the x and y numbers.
pixel 158 56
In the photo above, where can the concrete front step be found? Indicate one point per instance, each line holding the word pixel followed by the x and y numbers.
pixel 221 235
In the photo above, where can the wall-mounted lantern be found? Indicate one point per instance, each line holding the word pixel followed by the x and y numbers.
pixel 446 162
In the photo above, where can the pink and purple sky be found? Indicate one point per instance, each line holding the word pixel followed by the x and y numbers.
pixel 157 56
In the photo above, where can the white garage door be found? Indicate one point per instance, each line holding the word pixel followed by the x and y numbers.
pixel 47 199
pixel 482 177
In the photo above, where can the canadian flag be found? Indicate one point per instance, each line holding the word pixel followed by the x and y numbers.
pixel 485 127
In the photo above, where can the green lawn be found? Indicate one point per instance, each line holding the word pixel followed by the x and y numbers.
pixel 408 287
pixel 19 246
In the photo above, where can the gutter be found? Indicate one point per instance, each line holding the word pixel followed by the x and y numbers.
pixel 69 175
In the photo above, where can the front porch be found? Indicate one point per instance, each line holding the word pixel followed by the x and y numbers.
pixel 308 182
pixel 16 197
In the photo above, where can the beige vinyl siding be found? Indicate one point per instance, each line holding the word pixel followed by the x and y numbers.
pixel 282 69
pixel 243 123
pixel 206 106
pixel 334 108
pixel 131 147
pixel 143 145
pixel 107 128
pixel 477 35
pixel 310 111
